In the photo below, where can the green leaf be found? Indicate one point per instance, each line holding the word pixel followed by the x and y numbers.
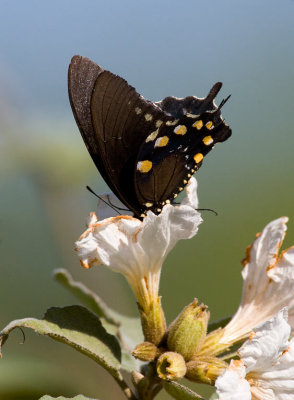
pixel 180 392
pixel 212 326
pixel 127 329
pixel 79 397
pixel 214 396
pixel 77 327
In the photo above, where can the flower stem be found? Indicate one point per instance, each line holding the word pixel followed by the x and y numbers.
pixel 149 386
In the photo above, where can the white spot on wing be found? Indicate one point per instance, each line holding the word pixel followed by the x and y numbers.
pixel 171 123
pixel 148 117
pixel 152 136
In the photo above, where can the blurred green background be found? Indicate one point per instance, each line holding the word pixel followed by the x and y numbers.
pixel 162 48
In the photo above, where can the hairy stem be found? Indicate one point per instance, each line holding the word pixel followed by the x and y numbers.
pixel 150 385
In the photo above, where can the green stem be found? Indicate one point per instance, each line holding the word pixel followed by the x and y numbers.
pixel 150 385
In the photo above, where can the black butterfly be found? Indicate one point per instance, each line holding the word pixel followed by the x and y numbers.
pixel 146 152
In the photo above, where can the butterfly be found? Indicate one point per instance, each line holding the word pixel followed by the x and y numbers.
pixel 146 152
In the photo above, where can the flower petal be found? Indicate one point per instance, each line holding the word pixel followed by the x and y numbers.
pixel 232 385
pixel 269 360
pixel 268 283
pixel 263 256
pixel 191 198
pixel 266 343
pixel 137 248
pixel 280 379
pixel 161 232
pixel 282 290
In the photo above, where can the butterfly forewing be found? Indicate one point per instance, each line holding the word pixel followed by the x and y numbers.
pixel 122 119
pixel 82 75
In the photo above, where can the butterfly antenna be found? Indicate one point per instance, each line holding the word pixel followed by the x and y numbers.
pixel 119 208
pixel 198 209
pixel 100 198
pixel 223 102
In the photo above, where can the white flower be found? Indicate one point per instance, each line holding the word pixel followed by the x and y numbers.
pixel 266 368
pixel 232 385
pixel 268 283
pixel 138 248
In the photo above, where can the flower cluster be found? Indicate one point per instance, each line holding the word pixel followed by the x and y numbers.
pixel 263 322
pixel 138 248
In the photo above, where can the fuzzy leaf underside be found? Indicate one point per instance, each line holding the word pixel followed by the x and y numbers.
pixel 180 392
pixel 77 327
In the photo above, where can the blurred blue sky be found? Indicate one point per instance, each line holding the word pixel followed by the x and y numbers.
pixel 161 47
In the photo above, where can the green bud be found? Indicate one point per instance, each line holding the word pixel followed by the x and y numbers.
pixel 153 321
pixel 187 333
pixel 205 369
pixel 146 351
pixel 212 345
pixel 171 366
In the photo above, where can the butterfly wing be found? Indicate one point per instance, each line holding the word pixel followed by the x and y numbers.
pixel 167 160
pixel 113 120
pixel 82 75
pixel 122 119
pixel 146 152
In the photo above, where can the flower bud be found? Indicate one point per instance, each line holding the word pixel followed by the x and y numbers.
pixel 153 321
pixel 205 369
pixel 212 345
pixel 187 333
pixel 171 366
pixel 146 351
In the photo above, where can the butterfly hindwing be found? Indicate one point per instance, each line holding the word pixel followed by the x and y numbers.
pixel 167 160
